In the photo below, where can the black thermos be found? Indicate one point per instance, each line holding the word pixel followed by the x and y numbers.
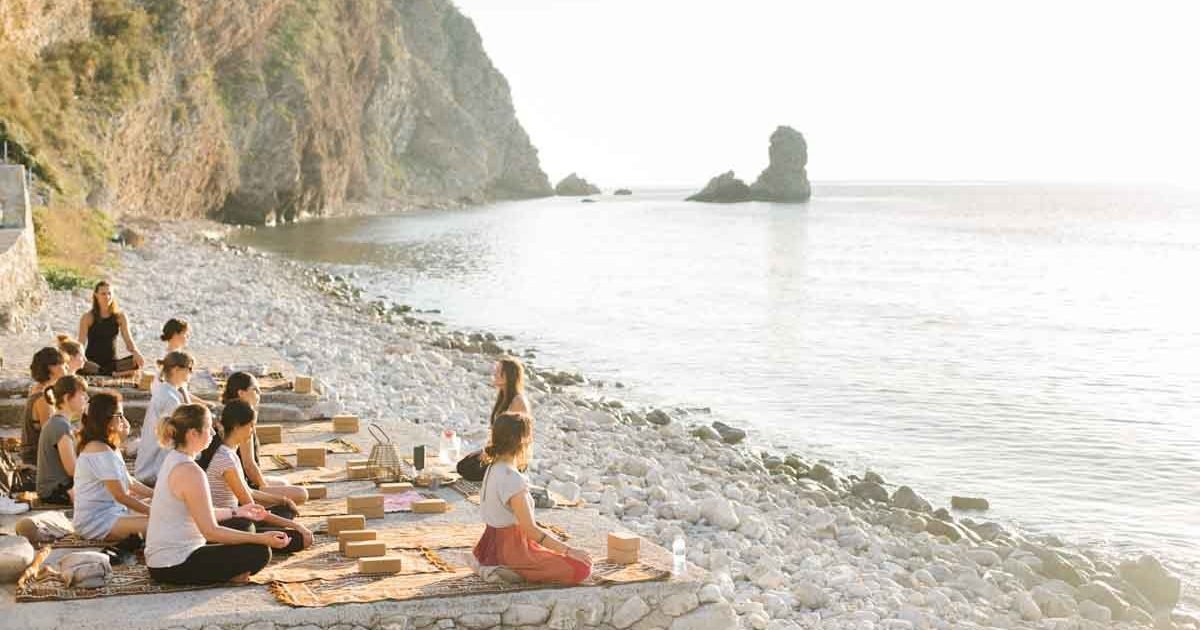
pixel 419 457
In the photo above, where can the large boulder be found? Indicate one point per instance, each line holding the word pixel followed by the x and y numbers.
pixel 16 554
pixel 785 179
pixel 1153 581
pixel 575 186
pixel 724 188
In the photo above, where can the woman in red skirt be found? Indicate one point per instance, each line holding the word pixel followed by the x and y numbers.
pixel 513 539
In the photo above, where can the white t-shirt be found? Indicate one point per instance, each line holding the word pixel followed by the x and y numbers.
pixel 164 398
pixel 500 483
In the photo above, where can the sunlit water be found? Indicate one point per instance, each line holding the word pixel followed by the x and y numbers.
pixel 1036 345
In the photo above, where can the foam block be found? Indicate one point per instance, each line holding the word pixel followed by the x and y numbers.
pixel 357 471
pixel 345 424
pixel 363 502
pixel 317 492
pixel 147 381
pixel 372 512
pixel 430 506
pixel 617 556
pixel 383 564
pixel 303 385
pixel 395 488
pixel 310 456
pixel 366 549
pixel 621 541
pixel 269 433
pixel 354 535
pixel 339 524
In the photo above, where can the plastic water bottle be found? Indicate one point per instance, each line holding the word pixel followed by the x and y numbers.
pixel 446 447
pixel 679 551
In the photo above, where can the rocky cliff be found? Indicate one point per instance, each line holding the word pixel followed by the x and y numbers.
pixel 254 110
pixel 785 180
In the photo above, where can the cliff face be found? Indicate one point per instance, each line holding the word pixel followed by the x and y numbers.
pixel 252 110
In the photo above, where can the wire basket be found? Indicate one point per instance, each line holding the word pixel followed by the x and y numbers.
pixel 384 461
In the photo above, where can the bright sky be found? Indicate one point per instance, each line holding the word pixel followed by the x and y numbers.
pixel 672 92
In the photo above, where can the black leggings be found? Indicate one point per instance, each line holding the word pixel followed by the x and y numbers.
pixel 246 525
pixel 214 564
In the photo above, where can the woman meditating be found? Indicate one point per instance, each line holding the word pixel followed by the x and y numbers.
pixel 513 539
pixel 168 392
pixel 176 333
pixel 108 503
pixel 244 387
pixel 184 543
pixel 509 381
pixel 47 367
pixel 228 484
pixel 73 351
pixel 56 444
pixel 98 329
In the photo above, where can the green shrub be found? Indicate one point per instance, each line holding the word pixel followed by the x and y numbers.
pixel 66 278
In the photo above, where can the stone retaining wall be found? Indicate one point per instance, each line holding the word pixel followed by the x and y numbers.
pixel 22 290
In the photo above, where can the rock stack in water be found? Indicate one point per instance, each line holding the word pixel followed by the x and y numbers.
pixel 785 180
pixel 575 186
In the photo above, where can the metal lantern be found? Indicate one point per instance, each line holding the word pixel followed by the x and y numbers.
pixel 384 462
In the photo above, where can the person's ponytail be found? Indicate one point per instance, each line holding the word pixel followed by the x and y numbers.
pixel 56 395
pixel 172 431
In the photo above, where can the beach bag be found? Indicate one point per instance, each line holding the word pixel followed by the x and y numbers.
pixel 384 460
pixel 84 569
pixel 472 467
pixel 15 477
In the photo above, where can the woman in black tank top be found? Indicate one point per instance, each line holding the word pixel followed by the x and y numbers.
pixel 98 329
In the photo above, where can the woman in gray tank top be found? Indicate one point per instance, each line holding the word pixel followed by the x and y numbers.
pixel 184 543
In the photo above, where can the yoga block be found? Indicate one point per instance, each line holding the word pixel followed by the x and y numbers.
pixel 310 456
pixel 147 381
pixel 354 535
pixel 363 502
pixel 358 471
pixel 617 556
pixel 366 549
pixel 269 433
pixel 338 524
pixel 430 506
pixel 620 541
pixel 371 512
pixel 395 488
pixel 383 564
pixel 303 385
pixel 317 492
pixel 345 424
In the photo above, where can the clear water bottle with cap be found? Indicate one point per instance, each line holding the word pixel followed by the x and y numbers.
pixel 679 551
pixel 448 447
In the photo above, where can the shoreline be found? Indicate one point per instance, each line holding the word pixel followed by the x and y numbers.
pixel 803 546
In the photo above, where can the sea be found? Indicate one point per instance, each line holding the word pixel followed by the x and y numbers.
pixel 1034 344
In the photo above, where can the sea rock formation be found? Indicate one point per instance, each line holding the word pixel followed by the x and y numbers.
pixel 622 191
pixel 258 110
pixel 724 188
pixel 575 186
pixel 785 180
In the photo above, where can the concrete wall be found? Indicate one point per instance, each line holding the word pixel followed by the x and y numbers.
pixel 22 290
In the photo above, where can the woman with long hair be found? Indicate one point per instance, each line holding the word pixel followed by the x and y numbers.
pixel 108 502
pixel 47 367
pixel 56 443
pixel 167 393
pixel 98 330
pixel 244 387
pixel 228 484
pixel 184 543
pixel 509 381
pixel 513 539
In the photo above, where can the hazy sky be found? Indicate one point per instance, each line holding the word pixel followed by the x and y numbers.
pixel 637 92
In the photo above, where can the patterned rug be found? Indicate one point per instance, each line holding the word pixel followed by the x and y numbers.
pixel 39 584
pixel 335 445
pixel 392 503
pixel 324 561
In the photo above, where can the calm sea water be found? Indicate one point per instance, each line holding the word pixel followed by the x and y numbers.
pixel 1036 345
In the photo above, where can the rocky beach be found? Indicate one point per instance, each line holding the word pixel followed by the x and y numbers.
pixel 792 541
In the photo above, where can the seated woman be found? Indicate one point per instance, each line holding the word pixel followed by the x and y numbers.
pixel 228 484
pixel 513 538
pixel 166 394
pixel 73 351
pixel 98 329
pixel 184 543
pixel 108 502
pixel 47 367
pixel 244 387
pixel 509 381
pixel 56 444
pixel 176 333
